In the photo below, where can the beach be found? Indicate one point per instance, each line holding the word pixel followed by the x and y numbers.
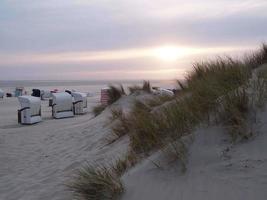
pixel 133 100
pixel 38 160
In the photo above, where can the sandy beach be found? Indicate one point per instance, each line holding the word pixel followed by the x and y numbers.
pixel 38 160
pixel 149 100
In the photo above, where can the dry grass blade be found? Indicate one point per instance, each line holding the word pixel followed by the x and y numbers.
pixel 123 164
pixel 146 86
pixel 94 183
pixel 116 114
pixel 115 93
pixel 234 115
pixel 98 109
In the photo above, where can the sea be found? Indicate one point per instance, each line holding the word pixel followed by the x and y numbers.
pixel 92 87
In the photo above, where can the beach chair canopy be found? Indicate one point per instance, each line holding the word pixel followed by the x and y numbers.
pixel 36 92
pixel 162 91
pixel 45 94
pixel 68 91
pixel 19 91
pixel 33 103
pixel 62 101
pixel 79 96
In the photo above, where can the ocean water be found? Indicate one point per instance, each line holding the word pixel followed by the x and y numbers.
pixel 92 87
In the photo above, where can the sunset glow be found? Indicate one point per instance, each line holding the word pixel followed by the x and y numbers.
pixel 55 39
pixel 165 53
pixel 170 53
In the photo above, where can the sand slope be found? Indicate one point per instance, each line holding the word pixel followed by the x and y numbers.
pixel 216 170
pixel 36 161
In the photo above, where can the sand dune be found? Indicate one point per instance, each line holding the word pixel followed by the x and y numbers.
pixel 216 170
pixel 37 161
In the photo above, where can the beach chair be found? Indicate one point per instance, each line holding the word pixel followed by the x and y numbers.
pixel 30 112
pixel 2 94
pixel 19 91
pixel 104 98
pixel 162 92
pixel 62 106
pixel 45 94
pixel 36 93
pixel 80 102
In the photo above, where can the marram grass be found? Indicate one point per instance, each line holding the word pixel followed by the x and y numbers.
pixel 96 183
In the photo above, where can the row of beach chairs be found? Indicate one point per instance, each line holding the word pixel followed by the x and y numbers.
pixel 63 105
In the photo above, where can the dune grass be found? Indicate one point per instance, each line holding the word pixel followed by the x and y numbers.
pixel 221 87
pixel 210 80
pixel 144 129
pixel 122 126
pixel 146 87
pixel 121 165
pixel 177 150
pixel 256 58
pixel 116 113
pixel 235 111
pixel 115 93
pixel 259 90
pixel 134 88
pixel 95 183
pixel 203 90
pixel 205 84
pixel 158 100
pixel 98 109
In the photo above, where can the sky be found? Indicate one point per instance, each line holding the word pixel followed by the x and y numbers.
pixel 123 39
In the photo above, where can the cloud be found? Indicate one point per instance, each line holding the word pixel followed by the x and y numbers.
pixel 36 32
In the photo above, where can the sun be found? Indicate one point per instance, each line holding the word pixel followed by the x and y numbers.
pixel 169 53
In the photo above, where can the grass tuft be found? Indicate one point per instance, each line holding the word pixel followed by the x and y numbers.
pixel 146 87
pixel 122 126
pixel 158 100
pixel 123 164
pixel 96 183
pixel 98 109
pixel 115 93
pixel 214 87
pixel 235 111
pixel 116 114
pixel 134 89
pixel 257 58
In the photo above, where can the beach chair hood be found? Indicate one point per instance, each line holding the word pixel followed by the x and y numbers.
pixel 30 112
pixel 79 96
pixel 62 101
pixel 62 105
pixel 34 104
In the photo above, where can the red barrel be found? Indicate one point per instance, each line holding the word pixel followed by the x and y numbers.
pixel 104 96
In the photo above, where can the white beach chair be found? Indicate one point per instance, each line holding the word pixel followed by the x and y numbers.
pixel 80 102
pixel 62 106
pixel 2 94
pixel 19 91
pixel 30 112
pixel 163 92
pixel 45 94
